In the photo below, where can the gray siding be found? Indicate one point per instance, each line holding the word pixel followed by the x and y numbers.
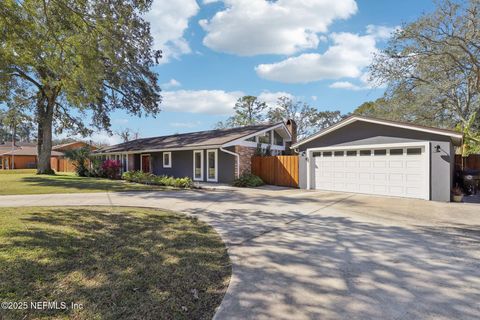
pixel 182 165
pixel 365 133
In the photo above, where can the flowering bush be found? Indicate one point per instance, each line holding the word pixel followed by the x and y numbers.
pixel 111 169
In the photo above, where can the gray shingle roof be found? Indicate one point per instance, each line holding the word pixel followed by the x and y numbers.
pixel 186 140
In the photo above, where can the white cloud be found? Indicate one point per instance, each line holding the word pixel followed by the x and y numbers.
pixel 314 98
pixel 172 83
pixel 251 27
pixel 346 85
pixel 215 102
pixel 381 32
pixel 169 20
pixel 271 98
pixel 347 57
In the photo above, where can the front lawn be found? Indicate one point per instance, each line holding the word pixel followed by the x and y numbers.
pixel 27 182
pixel 117 263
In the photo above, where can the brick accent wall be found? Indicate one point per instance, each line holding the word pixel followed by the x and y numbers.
pixel 246 154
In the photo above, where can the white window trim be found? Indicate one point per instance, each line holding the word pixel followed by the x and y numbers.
pixel 216 165
pixel 141 161
pixel 169 159
pixel 201 165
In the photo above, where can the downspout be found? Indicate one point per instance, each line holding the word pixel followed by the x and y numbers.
pixel 238 160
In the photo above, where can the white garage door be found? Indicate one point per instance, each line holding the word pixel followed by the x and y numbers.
pixel 393 171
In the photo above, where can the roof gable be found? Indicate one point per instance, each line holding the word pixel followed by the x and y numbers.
pixel 456 136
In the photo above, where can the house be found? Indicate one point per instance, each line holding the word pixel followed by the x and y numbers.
pixel 63 164
pixel 24 156
pixel 373 156
pixel 212 156
pixel 21 156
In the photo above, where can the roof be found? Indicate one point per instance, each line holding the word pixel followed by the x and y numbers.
pixel 67 146
pixel 187 140
pixel 25 151
pixel 456 136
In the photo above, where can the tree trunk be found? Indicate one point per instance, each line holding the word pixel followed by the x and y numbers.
pixel 14 133
pixel 44 144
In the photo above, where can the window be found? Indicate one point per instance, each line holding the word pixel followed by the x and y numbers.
pixel 351 153
pixel 317 154
pixel 382 152
pixel 396 152
pixel 198 165
pixel 212 159
pixel 266 139
pixel 327 154
pixel 339 153
pixel 365 152
pixel 167 159
pixel 277 139
pixel 414 151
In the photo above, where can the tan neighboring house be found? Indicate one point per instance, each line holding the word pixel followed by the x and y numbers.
pixel 25 156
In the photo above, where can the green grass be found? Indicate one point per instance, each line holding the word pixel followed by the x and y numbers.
pixel 27 182
pixel 119 263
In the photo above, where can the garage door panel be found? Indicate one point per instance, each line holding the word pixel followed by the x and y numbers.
pixel 404 175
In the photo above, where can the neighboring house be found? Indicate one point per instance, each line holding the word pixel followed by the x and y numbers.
pixel 63 164
pixel 381 157
pixel 24 156
pixel 213 156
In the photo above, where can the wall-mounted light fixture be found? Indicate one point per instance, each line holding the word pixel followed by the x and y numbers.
pixel 437 148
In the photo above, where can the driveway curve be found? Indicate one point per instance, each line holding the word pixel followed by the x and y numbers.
pixel 321 255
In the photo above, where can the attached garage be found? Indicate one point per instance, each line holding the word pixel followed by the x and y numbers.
pixel 364 155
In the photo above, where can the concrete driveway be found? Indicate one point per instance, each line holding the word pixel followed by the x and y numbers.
pixel 321 255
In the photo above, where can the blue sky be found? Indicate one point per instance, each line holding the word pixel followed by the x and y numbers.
pixel 215 51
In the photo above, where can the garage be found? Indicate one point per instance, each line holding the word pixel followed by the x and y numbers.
pixel 380 157
pixel 391 170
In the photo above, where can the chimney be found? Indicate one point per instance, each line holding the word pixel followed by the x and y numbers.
pixel 292 127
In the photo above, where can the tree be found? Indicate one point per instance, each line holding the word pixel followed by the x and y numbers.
pixel 432 67
pixel 77 58
pixel 80 158
pixel 307 118
pixel 128 134
pixel 248 111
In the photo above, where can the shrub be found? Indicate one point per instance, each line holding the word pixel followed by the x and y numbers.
pixel 148 178
pixel 248 180
pixel 111 169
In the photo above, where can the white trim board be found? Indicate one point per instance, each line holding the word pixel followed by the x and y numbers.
pixel 236 141
pixel 215 179
pixel 201 165
pixel 376 121
pixel 169 159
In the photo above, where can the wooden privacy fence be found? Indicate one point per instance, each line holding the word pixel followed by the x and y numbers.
pixel 470 162
pixel 277 170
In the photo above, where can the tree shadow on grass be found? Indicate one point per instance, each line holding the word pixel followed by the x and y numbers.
pixel 119 265
pixel 68 183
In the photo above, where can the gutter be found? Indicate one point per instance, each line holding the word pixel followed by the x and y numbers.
pixel 237 156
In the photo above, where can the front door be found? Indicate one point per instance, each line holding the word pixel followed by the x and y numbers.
pixel 145 162
pixel 212 165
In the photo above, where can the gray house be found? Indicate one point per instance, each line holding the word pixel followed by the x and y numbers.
pixel 211 156
pixel 380 157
